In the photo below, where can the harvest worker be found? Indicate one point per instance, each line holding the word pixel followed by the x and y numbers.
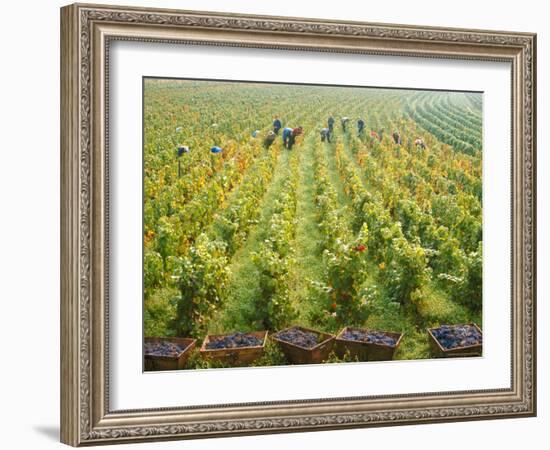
pixel 289 136
pixel 330 123
pixel 269 139
pixel 277 124
pixel 325 134
pixel 396 137
pixel 360 126
pixel 344 121
pixel 183 149
pixel 419 142
pixel 295 133
pixel 216 149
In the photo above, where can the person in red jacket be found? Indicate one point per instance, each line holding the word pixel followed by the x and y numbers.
pixel 291 135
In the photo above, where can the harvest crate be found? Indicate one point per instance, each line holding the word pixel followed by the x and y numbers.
pixel 439 351
pixel 237 356
pixel 303 355
pixel 366 351
pixel 154 362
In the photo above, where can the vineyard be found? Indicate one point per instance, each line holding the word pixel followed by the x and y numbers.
pixel 365 229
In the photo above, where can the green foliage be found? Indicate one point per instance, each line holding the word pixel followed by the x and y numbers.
pixel 153 271
pixel 450 256
pixel 406 271
pixel 159 312
pixel 274 260
pixel 196 361
pixel 273 356
pixel 376 302
pixel 233 225
pixel 273 309
pixel 166 239
pixel 333 358
pixel 471 291
pixel 202 277
pixel 346 265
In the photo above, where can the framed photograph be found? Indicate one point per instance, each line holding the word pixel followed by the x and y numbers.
pixel 276 224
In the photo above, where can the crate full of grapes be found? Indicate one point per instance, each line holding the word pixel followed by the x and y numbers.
pixel 304 346
pixel 234 349
pixel 456 340
pixel 367 345
pixel 167 353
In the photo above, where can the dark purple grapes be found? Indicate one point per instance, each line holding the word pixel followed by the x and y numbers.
pixel 234 340
pixel 302 338
pixel 370 337
pixel 163 348
pixel 454 336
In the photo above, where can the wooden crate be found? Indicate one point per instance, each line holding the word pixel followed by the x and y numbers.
pixel 239 356
pixel 302 355
pixel 367 351
pixel 169 362
pixel 439 351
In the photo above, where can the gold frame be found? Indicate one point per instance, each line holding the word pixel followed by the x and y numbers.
pixel 86 31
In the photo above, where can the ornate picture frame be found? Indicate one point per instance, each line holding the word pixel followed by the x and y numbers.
pixel 87 32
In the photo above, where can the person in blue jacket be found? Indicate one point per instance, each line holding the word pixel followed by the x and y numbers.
pixel 277 125
pixel 360 126
pixel 287 135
